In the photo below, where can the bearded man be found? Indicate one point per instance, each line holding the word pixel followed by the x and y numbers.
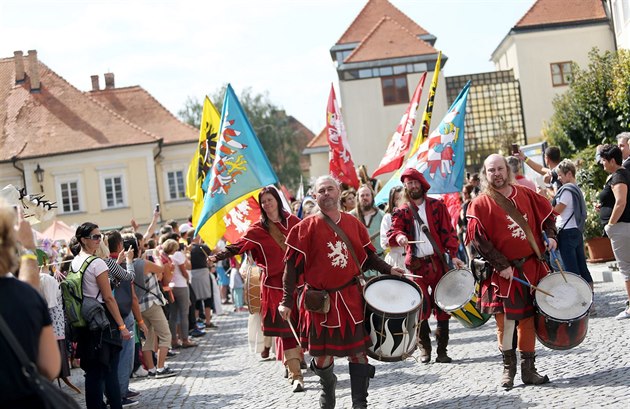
pixel 423 226
pixel 505 224
pixel 327 251
pixel 370 215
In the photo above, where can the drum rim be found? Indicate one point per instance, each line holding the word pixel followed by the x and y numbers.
pixel 437 287
pixel 540 310
pixel 392 277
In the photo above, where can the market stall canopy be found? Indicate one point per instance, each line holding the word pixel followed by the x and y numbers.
pixel 59 231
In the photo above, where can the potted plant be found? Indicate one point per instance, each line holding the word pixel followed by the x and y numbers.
pixel 591 178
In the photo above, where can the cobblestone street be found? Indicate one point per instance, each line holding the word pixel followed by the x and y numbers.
pixel 221 373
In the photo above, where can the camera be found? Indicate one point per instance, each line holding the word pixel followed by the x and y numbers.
pixel 514 148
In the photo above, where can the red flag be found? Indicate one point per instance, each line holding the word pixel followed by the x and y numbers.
pixel 401 140
pixel 238 220
pixel 339 158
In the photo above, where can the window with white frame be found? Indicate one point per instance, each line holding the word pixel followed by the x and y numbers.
pixel 113 191
pixel 176 184
pixel 560 73
pixel 69 193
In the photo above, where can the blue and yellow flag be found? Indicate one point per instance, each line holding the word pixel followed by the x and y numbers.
pixel 440 158
pixel 239 169
pixel 204 156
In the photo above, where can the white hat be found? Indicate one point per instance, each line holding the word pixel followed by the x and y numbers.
pixel 185 228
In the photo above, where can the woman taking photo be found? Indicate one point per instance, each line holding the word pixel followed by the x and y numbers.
pixel 98 350
pixel 265 240
pixel 615 212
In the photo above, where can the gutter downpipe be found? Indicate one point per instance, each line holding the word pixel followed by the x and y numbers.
pixel 13 162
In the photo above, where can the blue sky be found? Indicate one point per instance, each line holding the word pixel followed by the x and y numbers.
pixel 176 49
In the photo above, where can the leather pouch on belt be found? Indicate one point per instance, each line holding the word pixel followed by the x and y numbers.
pixel 317 301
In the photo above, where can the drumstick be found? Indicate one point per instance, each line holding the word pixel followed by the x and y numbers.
pixel 415 241
pixel 294 333
pixel 554 255
pixel 532 286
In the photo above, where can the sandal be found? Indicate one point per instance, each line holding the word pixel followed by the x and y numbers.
pixel 188 344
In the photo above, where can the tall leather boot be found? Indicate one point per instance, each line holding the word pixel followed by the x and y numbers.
pixel 424 337
pixel 529 375
pixel 360 375
pixel 509 369
pixel 441 336
pixel 292 359
pixel 328 380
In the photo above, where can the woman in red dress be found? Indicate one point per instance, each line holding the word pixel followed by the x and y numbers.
pixel 265 240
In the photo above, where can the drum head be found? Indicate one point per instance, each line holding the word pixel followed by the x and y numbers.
pixel 392 295
pixel 570 299
pixel 454 290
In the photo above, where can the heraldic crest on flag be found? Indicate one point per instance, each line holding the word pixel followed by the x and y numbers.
pixel 440 158
pixel 240 166
pixel 339 157
pixel 240 218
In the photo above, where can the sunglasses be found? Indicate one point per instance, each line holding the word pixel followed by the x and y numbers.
pixel 95 237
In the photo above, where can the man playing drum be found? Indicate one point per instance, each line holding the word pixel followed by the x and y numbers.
pixel 265 240
pixel 319 253
pixel 505 224
pixel 426 223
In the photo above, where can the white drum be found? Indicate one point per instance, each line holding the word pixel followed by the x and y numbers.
pixel 392 309
pixel 562 320
pixel 457 293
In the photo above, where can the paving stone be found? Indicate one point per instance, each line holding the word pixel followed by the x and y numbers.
pixel 221 373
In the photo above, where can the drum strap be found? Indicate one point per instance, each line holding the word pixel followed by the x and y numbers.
pixel 427 232
pixel 516 215
pixel 343 237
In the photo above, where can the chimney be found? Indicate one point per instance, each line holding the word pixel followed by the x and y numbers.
pixel 33 66
pixel 95 84
pixel 19 66
pixel 109 80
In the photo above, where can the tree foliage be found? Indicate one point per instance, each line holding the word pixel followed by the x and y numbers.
pixel 596 106
pixel 271 124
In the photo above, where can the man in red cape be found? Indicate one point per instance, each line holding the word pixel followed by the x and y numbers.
pixel 422 260
pixel 504 244
pixel 318 255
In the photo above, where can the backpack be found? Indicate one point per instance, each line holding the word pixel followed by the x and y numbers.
pixel 72 294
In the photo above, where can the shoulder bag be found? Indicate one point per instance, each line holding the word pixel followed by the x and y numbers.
pixel 50 396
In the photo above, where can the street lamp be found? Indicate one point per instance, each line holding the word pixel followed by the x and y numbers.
pixel 39 175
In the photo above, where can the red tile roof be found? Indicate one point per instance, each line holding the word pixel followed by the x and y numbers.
pixel 58 119
pixel 550 12
pixel 389 39
pixel 319 141
pixel 141 108
pixel 302 137
pixel 371 14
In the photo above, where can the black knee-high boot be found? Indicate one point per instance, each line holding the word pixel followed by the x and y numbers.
pixel 360 375
pixel 424 337
pixel 441 336
pixel 328 380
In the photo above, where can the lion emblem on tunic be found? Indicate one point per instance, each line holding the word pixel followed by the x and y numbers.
pixel 338 254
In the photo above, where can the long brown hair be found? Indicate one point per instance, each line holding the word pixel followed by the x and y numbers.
pixel 264 218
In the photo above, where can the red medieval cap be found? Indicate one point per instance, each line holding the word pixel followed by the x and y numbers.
pixel 411 173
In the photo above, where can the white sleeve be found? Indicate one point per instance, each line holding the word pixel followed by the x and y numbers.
pixel 386 224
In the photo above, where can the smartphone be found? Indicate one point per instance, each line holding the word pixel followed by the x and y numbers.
pixel 157 208
pixel 514 148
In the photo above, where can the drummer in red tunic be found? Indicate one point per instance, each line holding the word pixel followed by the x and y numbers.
pixel 265 240
pixel 321 257
pixel 501 240
pixel 422 259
